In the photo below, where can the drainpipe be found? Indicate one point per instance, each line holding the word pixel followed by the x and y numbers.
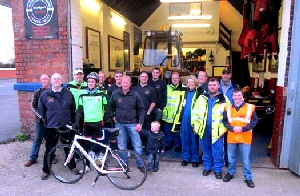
pixel 70 63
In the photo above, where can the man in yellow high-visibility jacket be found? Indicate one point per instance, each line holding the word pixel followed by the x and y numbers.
pixel 240 119
pixel 175 96
pixel 206 118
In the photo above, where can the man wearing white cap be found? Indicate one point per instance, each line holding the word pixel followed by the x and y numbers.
pixel 78 86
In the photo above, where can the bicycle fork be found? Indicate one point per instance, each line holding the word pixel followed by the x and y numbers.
pixel 70 155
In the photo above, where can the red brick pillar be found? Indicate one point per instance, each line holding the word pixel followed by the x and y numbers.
pixel 36 57
pixel 278 124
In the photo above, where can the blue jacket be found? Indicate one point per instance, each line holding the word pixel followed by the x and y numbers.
pixel 57 108
pixel 231 88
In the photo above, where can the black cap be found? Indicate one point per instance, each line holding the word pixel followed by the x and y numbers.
pixel 226 71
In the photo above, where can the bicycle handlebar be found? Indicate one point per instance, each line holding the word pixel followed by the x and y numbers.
pixel 111 130
pixel 69 128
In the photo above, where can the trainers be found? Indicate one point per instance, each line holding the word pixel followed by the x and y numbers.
pixel 75 171
pixel 184 163
pixel 54 161
pixel 29 163
pixel 87 169
pixel 218 175
pixel 206 172
pixel 177 149
pixel 168 148
pixel 142 169
pixel 45 176
pixel 227 177
pixel 250 183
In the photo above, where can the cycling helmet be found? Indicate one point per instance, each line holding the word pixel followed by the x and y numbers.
pixel 93 75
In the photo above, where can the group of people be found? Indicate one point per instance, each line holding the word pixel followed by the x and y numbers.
pixel 208 115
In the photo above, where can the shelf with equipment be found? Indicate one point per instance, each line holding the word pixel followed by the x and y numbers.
pixel 195 61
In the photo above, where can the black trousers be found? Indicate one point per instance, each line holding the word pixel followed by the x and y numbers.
pixel 51 137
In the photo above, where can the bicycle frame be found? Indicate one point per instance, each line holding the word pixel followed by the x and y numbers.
pixel 75 144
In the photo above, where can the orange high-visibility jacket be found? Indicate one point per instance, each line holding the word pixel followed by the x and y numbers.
pixel 240 118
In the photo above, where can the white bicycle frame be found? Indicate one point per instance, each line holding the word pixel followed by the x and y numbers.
pixel 101 169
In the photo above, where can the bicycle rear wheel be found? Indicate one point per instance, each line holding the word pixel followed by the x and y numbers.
pixel 70 173
pixel 133 176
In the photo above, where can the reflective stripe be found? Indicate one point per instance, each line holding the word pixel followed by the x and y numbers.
pixel 229 114
pixel 217 120
pixel 241 119
pixel 247 119
pixel 172 104
pixel 249 113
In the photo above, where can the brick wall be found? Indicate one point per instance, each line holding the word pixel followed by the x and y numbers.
pixel 35 57
pixel 7 73
pixel 26 115
pixel 281 100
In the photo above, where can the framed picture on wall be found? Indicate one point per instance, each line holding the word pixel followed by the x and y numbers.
pixel 126 38
pixel 93 47
pixel 273 65
pixel 115 53
pixel 137 36
pixel 258 66
pixel 217 71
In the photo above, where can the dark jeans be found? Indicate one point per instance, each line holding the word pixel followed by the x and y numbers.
pixel 157 114
pixel 39 135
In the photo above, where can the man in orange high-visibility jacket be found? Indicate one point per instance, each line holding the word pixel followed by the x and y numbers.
pixel 240 119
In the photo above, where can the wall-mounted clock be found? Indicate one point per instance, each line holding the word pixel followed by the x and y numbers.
pixel 210 30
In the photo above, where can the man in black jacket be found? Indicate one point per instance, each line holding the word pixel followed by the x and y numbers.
pixel 57 108
pixel 160 88
pixel 118 78
pixel 127 110
pixel 39 124
pixel 148 96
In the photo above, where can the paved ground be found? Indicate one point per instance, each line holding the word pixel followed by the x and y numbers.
pixel 172 179
pixel 9 110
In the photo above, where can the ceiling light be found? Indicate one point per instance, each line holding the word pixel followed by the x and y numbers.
pixel 188 17
pixel 118 20
pixel 191 25
pixel 93 4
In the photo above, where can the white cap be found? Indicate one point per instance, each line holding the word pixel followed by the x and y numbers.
pixel 78 70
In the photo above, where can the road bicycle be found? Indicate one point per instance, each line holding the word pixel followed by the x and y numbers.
pixel 120 166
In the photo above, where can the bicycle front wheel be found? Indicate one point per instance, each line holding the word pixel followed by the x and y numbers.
pixel 128 169
pixel 74 170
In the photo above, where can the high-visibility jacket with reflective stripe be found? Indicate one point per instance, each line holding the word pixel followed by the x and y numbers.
pixel 199 116
pixel 175 96
pixel 240 118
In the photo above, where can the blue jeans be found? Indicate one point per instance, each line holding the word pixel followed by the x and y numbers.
pixel 171 137
pixel 125 131
pixel 153 161
pixel 213 154
pixel 39 135
pixel 245 150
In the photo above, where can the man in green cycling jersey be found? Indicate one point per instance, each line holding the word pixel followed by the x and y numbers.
pixel 91 106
